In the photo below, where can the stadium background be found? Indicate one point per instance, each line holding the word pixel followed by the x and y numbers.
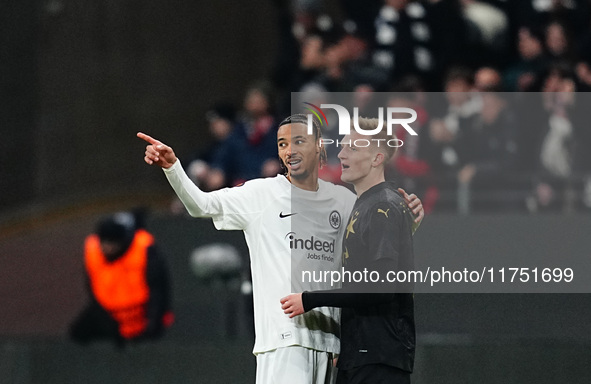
pixel 78 79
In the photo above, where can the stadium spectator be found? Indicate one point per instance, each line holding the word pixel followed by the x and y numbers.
pixel 298 20
pixel 582 160
pixel 487 79
pixel 404 40
pixel 551 136
pixel 487 31
pixel 583 70
pixel 460 107
pixel 362 14
pixel 312 62
pixel 251 148
pixel 346 61
pixel 209 169
pixel 575 13
pixel 450 45
pixel 411 166
pixel 521 75
pixel 430 39
pixel 487 148
pixel 582 154
pixel 332 74
pixel 128 284
pixel 559 44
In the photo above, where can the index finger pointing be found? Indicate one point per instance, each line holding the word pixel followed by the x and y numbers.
pixel 147 138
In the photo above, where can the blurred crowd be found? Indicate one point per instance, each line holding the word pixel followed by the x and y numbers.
pixel 498 87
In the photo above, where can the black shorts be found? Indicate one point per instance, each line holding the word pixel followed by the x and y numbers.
pixel 373 374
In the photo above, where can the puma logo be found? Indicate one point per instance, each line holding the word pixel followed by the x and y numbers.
pixel 384 212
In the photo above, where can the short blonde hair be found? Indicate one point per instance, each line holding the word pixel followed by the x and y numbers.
pixel 380 139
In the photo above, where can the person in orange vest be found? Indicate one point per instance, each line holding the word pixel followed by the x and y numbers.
pixel 128 283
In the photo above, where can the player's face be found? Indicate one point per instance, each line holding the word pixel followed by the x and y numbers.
pixel 298 150
pixel 356 160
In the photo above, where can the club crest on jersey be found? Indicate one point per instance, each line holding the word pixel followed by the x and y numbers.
pixel 334 219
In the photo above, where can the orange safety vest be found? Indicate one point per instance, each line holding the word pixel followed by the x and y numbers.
pixel 121 286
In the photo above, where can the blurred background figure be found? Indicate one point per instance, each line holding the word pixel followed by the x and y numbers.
pixel 487 149
pixel 583 66
pixel 487 31
pixel 451 116
pixel 243 145
pixel 487 79
pixel 128 284
pixel 208 169
pixel 221 266
pixel 531 59
pixel 554 134
pixel 411 165
pixel 559 43
pixel 404 40
pixel 251 150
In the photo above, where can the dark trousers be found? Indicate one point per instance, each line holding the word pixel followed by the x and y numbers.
pixel 373 374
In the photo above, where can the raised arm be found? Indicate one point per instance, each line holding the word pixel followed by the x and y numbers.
pixel 197 202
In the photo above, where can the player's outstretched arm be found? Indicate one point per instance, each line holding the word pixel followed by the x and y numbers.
pixel 197 202
pixel 157 152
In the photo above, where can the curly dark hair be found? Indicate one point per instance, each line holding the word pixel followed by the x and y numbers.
pixel 300 118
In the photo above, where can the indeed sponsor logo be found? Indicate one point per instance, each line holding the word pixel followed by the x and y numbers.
pixel 310 244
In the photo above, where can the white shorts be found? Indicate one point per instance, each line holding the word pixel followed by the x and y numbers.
pixel 295 365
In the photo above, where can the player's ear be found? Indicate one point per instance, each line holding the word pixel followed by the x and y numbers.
pixel 378 159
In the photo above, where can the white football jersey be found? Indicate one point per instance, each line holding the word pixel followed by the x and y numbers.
pixel 288 231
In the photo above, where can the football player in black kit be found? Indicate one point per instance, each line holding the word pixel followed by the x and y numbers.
pixel 377 329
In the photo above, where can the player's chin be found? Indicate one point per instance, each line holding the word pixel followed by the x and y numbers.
pixel 299 173
pixel 345 177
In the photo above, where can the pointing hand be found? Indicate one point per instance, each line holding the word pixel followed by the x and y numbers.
pixel 157 152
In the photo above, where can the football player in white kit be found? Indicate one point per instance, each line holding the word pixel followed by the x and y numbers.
pixel 289 221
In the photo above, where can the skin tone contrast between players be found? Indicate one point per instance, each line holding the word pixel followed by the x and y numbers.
pixel 377 329
pixel 284 347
